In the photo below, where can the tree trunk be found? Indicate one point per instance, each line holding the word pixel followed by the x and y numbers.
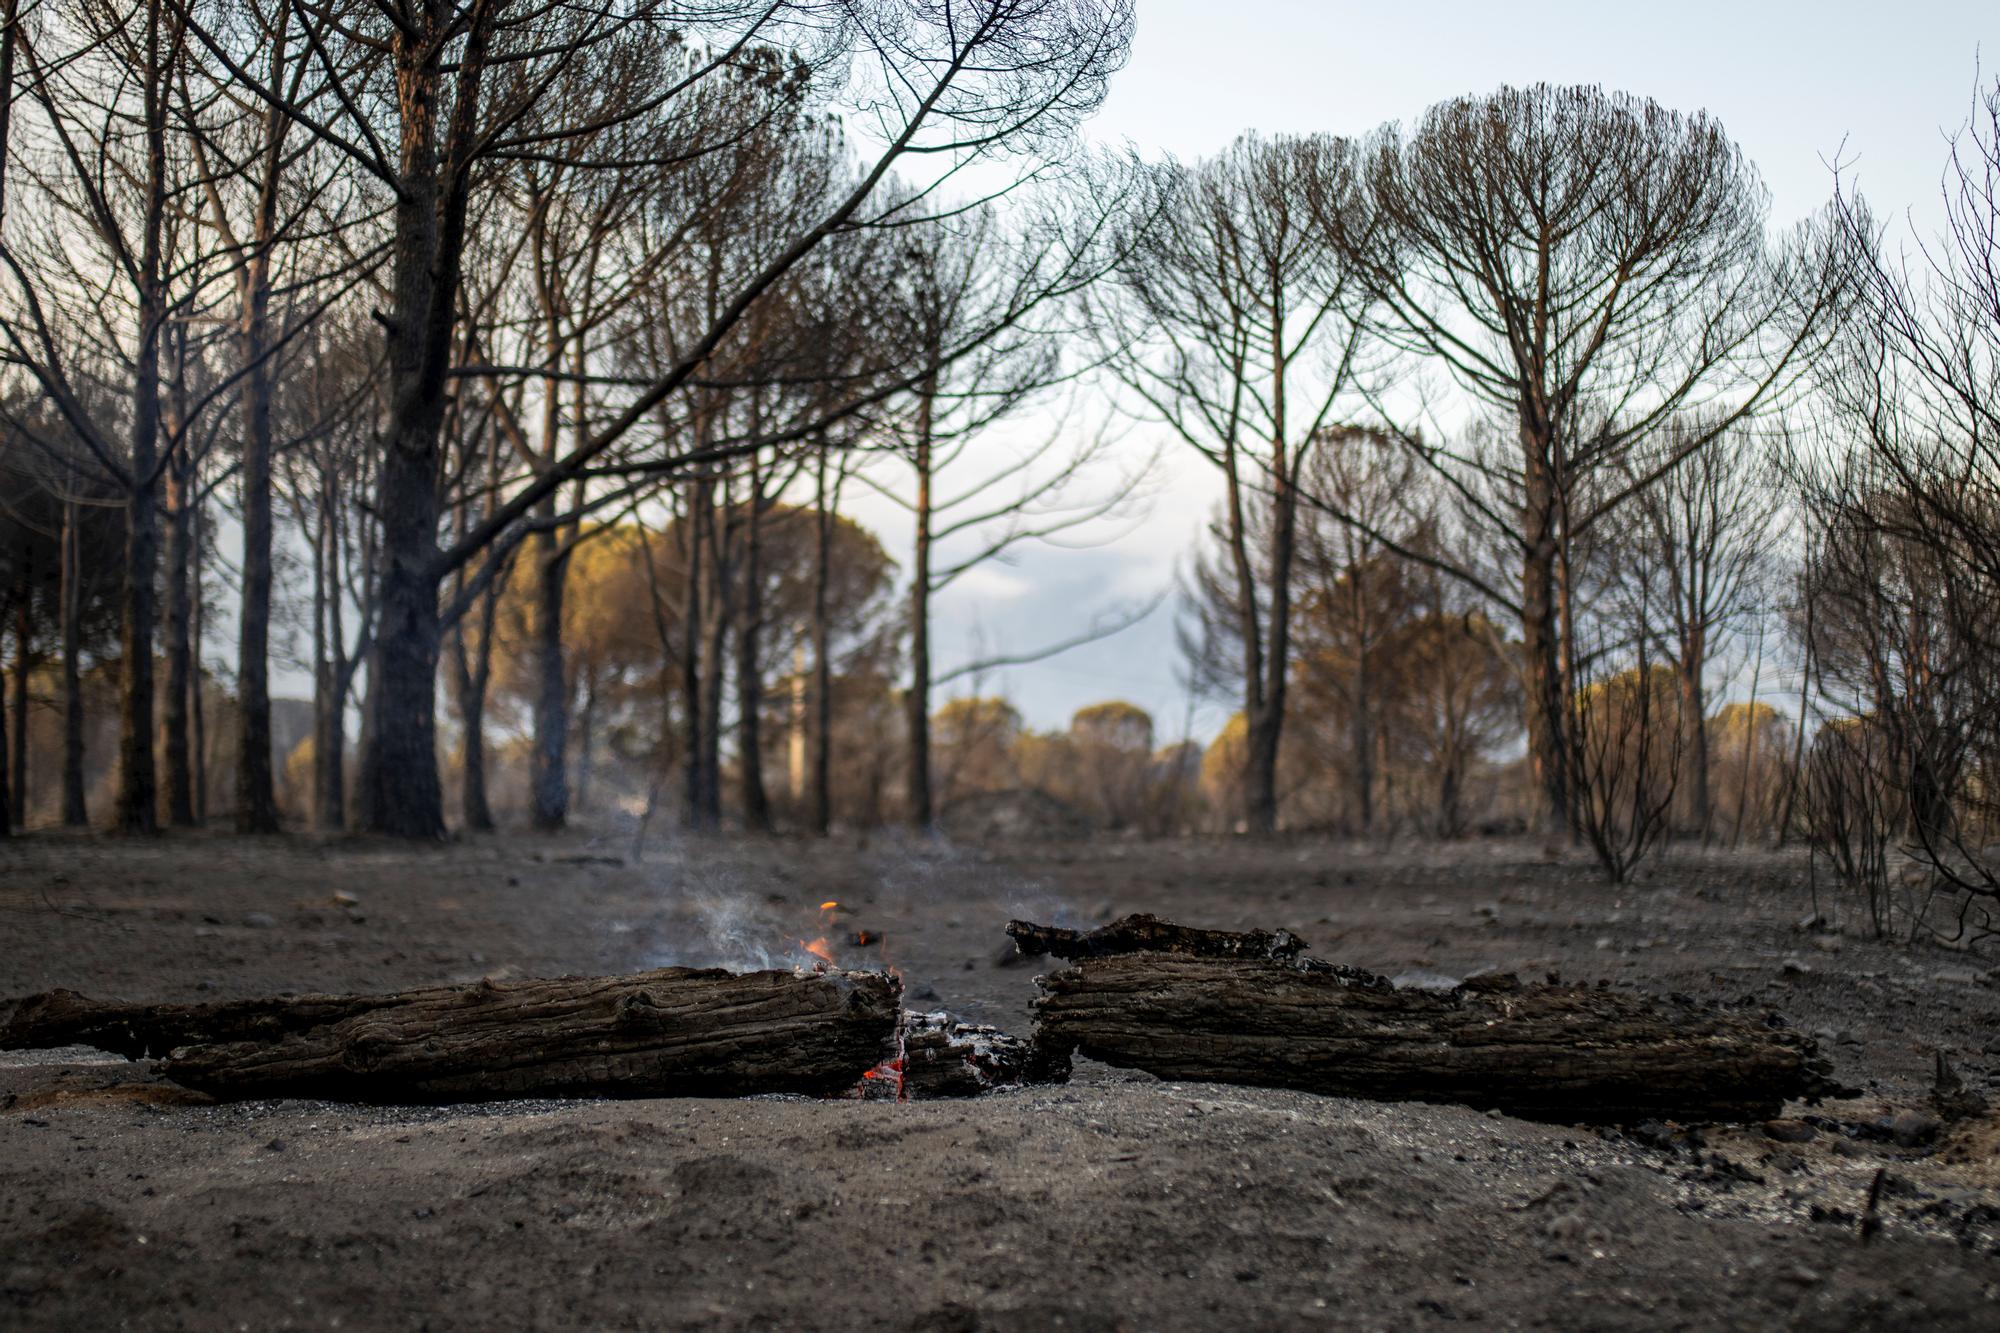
pixel 917 704
pixel 822 679
pixel 74 812
pixel 755 800
pixel 197 701
pixel 7 820
pixel 256 795
pixel 714 640
pixel 329 733
pixel 694 546
pixel 1545 698
pixel 1694 730
pixel 178 621
pixel 14 798
pixel 138 784
pixel 676 1032
pixel 138 791
pixel 474 811
pixel 549 774
pixel 401 792
pixel 1571 1054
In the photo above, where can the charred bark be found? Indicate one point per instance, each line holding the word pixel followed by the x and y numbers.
pixel 74 812
pixel 946 1058
pixel 1570 1054
pixel 1143 933
pixel 667 1033
pixel 178 640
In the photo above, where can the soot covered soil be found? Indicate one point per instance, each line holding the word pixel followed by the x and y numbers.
pixel 1116 1202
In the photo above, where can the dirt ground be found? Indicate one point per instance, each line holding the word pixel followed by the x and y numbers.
pixel 1115 1202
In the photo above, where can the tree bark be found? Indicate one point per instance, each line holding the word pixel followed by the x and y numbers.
pixel 178 622
pixel 6 804
pixel 670 1033
pixel 549 777
pixel 1570 1054
pixel 400 789
pixel 917 704
pixel 751 794
pixel 1694 731
pixel 74 812
pixel 14 798
pixel 256 794
pixel 694 544
pixel 1547 703
pixel 822 679
pixel 138 782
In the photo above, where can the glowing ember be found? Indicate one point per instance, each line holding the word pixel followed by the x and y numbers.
pixel 828 905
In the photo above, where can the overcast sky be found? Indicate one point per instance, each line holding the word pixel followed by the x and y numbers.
pixel 1797 85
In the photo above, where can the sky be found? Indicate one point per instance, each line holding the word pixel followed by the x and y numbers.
pixel 1800 87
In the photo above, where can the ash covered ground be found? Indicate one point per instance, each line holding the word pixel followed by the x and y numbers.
pixel 1115 1202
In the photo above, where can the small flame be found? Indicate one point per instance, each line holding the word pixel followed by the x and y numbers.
pixel 828 905
pixel 819 949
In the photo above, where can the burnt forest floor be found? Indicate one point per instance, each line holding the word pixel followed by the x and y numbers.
pixel 1115 1202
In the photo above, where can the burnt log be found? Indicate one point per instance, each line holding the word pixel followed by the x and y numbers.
pixel 675 1032
pixel 1143 933
pixel 1564 1053
pixel 946 1058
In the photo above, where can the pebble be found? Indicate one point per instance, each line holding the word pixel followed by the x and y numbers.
pixel 1790 1131
pixel 259 920
pixel 1911 1129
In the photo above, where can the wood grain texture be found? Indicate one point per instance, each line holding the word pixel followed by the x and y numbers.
pixel 1565 1053
pixel 666 1033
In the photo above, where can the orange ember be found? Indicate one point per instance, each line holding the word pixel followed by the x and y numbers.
pixel 828 905
pixel 819 949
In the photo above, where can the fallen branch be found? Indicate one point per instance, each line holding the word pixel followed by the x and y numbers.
pixel 668 1033
pixel 1571 1054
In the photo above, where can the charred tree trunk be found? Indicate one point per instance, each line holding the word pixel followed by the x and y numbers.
pixel 138 782
pixel 549 776
pixel 329 668
pixel 822 681
pixel 14 798
pixel 74 812
pixel 1572 1054
pixel 917 704
pixel 669 1033
pixel 1694 732
pixel 755 799
pixel 693 545
pixel 178 626
pixel 400 790
pixel 1542 650
pixel 6 803
pixel 256 794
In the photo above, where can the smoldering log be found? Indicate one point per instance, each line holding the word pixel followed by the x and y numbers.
pixel 1571 1054
pixel 667 1033
pixel 1144 933
pixel 943 1057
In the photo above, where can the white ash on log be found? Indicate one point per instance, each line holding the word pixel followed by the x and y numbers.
pixel 667 1033
pixel 946 1058
pixel 1572 1054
